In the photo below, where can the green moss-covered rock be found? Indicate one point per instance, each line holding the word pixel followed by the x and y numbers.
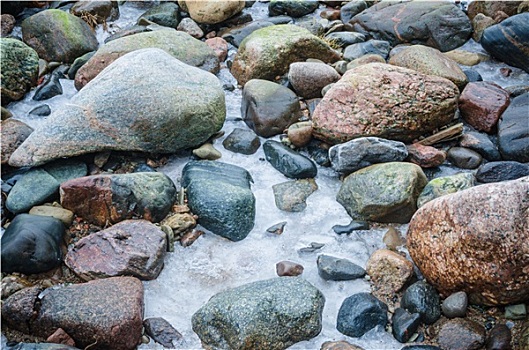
pixel 445 185
pixel 268 52
pixel 178 44
pixel 58 36
pixel 20 69
pixel 383 192
pixel 146 101
pixel 271 314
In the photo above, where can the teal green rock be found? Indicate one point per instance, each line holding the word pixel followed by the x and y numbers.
pixel 170 106
pixel 268 52
pixel 385 192
pixel 272 314
pixel 20 68
pixel 442 186
pixel 58 36
pixel 180 45
pixel 165 14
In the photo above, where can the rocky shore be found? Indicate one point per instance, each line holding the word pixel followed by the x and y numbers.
pixel 238 174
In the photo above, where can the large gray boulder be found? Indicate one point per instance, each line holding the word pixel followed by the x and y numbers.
pixel 170 106
pixel 220 194
pixel 271 314
pixel 179 44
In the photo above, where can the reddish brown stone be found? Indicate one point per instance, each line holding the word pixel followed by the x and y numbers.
pixel 18 310
pixel 7 24
pixel 461 334
pixel 288 268
pixel 220 46
pixel 14 132
pixel 389 271
pixel 490 8
pixel 476 241
pixel 331 15
pixel 130 248
pixel 425 156
pixel 482 103
pixel 61 337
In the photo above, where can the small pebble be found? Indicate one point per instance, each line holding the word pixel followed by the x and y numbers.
pixel 288 268
pixel 352 226
pixel 336 269
pixel 499 338
pixel 393 239
pixel 455 305
pixel 404 324
pixel 312 248
pixel 277 228
pixel 190 237
pixel 515 312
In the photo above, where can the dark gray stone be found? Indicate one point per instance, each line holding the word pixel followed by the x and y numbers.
pixel 35 187
pixel 220 195
pixel 513 130
pixel 32 244
pixel 288 162
pixel 346 38
pixel 501 171
pixel 352 226
pixel 50 87
pixel 360 313
pixel 162 332
pixel 499 338
pixel 421 297
pixel 291 195
pixel 292 8
pixel 242 141
pixel 506 40
pixel 268 108
pixel 351 9
pixel 336 269
pixel 41 111
pixel 166 14
pixel 40 346
pixel 78 63
pixel 271 314
pixel 235 35
pixel 421 347
pixel 464 158
pixel 404 324
pixel 480 143
pixel 377 47
pixel 365 151
pixel 472 75
pixel 455 305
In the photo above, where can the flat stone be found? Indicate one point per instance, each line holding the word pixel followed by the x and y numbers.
pixel 65 215
pixel 360 313
pixel 289 162
pixel 331 268
pixel 162 332
pixel 513 131
pixel 516 312
pixel 352 226
pixel 291 195
pixel 501 171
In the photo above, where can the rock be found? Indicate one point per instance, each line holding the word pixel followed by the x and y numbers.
pixel 339 345
pixel 165 14
pixel 393 239
pixel 492 220
pixel 14 132
pixel 6 114
pixel 421 297
pixel 32 244
pixel 352 226
pixel 99 10
pixel 268 52
pixel 430 61
pixel 211 12
pixel 346 38
pixel 464 158
pixel 179 222
pixel 43 110
pixel 78 63
pixel 41 346
pixel 501 171
pixel 219 46
pixel 66 216
pixel 300 134
pixel 58 36
pixel 270 314
pixel 367 101
pixel 288 268
pixel 481 105
pixel 220 195
pixel 268 108
pixel 191 27
pixel 103 199
pixel 291 195
pixel 515 312
pixel 461 334
pixel 370 47
pixel 480 143
pixel 415 22
pixel 351 9
pixel 421 347
pixel 308 78
pixel 207 151
pixel 466 58
pixel 360 313
pixel 481 22
pixel 455 305
pixel 242 141
pixel 472 75
pixel 20 67
pixel 130 248
pixel 425 156
pixel 109 311
pixel 499 338
pixel 8 23
pixel 404 324
pixel 442 186
pixel 369 58
pixel 162 332
pixel 362 152
pixel 235 35
pixel 292 8
pixel 17 310
pixel 40 185
pixel 113 105
pixel 382 192
pixel 50 87
pixel 331 268
pixel 277 228
pixel 288 162
pixel 505 41
pixel 61 337
pixel 492 8
pixel 180 45
pixel 513 131
pixel 389 271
